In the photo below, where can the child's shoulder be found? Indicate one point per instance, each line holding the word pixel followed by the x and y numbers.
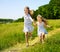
pixel 42 22
pixel 27 15
pixel 39 23
pixel 24 15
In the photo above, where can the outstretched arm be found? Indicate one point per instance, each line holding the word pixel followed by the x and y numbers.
pixel 31 19
pixel 47 26
pixel 34 23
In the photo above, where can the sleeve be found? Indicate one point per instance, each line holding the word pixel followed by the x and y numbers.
pixel 31 19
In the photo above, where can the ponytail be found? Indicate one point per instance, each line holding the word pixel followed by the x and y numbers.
pixel 31 12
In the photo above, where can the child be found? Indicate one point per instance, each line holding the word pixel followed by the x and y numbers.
pixel 28 28
pixel 41 30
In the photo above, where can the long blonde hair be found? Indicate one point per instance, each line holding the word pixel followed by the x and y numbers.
pixel 31 12
pixel 43 19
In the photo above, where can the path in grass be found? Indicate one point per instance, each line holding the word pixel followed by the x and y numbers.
pixel 21 46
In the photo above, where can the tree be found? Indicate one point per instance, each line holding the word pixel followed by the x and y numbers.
pixel 19 20
pixel 49 11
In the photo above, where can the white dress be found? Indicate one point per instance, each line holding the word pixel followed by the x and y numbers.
pixel 41 28
pixel 28 23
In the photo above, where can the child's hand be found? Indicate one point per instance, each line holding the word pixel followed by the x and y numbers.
pixel 49 26
pixel 34 23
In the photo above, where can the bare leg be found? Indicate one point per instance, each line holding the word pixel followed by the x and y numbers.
pixel 26 37
pixel 41 38
pixel 30 35
pixel 44 37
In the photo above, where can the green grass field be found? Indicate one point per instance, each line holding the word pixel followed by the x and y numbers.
pixel 11 34
pixel 52 44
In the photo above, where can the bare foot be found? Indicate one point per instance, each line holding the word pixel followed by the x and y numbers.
pixel 27 44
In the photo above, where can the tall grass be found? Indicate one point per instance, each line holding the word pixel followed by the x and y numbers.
pixel 11 34
pixel 52 45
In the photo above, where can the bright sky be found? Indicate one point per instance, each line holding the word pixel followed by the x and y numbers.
pixel 15 8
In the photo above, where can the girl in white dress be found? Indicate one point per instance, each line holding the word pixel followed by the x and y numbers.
pixel 41 29
pixel 28 28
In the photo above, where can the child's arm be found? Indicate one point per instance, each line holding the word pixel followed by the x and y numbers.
pixel 35 24
pixel 31 19
pixel 47 26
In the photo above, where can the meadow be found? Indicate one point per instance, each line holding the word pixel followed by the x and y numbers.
pixel 12 34
pixel 51 45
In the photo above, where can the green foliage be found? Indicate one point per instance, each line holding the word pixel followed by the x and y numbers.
pixel 55 2
pixel 19 20
pixel 49 11
pixel 51 44
pixel 6 20
pixel 11 34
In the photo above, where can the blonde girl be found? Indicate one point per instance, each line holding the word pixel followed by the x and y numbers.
pixel 28 28
pixel 41 23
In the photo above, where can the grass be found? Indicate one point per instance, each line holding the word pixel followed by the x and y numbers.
pixel 11 34
pixel 50 45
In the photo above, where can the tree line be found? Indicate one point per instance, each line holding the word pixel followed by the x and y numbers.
pixel 49 11
pixel 6 20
